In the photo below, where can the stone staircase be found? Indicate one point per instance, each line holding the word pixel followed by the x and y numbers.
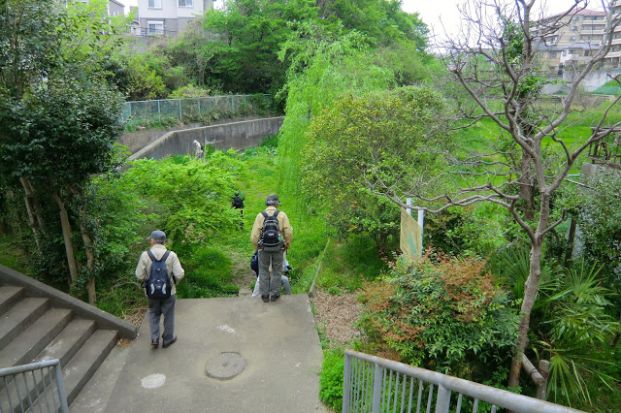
pixel 38 322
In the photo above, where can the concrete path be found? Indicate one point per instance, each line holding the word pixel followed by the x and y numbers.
pixel 278 342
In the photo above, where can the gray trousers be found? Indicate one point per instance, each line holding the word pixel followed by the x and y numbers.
pixel 270 285
pixel 284 280
pixel 157 308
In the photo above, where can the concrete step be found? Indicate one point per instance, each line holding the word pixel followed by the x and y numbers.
pixel 87 360
pixel 73 346
pixel 68 342
pixel 9 295
pixel 19 317
pixel 34 339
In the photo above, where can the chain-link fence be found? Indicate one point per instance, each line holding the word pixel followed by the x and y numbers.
pixel 205 109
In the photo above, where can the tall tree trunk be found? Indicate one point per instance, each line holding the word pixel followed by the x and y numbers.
pixel 530 295
pixel 90 257
pixel 33 222
pixel 527 186
pixel 67 236
pixel 530 289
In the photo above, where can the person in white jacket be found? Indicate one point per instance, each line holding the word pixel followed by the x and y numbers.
pixel 161 306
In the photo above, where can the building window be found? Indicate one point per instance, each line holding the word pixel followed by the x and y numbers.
pixel 155 27
pixel 185 3
pixel 155 4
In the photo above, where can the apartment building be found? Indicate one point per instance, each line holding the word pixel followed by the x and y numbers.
pixel 169 17
pixel 613 59
pixel 580 35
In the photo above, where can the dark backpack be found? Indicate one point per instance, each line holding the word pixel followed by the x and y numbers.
pixel 254 263
pixel 238 202
pixel 270 234
pixel 158 285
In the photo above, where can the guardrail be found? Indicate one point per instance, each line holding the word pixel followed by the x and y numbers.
pixel 376 385
pixel 34 387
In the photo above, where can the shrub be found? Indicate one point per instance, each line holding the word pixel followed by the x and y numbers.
pixel 331 379
pixel 208 274
pixel 447 316
pixel 348 264
pixel 192 197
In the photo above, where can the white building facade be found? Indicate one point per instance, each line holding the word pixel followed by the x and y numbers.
pixel 169 17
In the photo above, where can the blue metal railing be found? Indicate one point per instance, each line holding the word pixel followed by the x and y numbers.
pixel 35 387
pixel 376 385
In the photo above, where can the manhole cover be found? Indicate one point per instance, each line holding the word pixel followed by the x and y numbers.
pixel 225 366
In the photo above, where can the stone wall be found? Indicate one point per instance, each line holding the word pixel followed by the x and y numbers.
pixel 235 135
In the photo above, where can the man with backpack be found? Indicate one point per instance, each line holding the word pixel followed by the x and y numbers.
pixel 160 270
pixel 271 236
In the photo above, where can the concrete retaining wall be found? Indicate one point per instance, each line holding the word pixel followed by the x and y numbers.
pixel 235 135
pixel 135 141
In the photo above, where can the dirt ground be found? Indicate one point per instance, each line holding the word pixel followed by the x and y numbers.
pixel 337 315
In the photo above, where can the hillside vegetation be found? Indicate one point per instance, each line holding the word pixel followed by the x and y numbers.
pixel 371 116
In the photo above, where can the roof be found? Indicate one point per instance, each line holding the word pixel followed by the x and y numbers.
pixel 117 2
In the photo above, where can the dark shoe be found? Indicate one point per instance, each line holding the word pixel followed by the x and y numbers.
pixel 170 343
pixel 274 297
pixel 265 298
pixel 155 344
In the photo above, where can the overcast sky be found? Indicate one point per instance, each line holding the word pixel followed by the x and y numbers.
pixel 443 16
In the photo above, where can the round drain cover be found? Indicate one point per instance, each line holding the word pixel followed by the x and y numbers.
pixel 225 366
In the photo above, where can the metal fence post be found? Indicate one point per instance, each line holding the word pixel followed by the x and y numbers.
pixel 346 383
pixel 377 388
pixel 443 402
pixel 180 114
pixel 159 111
pixel 60 386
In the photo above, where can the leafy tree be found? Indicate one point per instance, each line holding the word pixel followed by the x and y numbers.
pixel 59 113
pixel 545 157
pixel 237 49
pixel 385 135
pixel 382 21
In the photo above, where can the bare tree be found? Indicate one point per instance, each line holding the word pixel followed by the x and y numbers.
pixel 495 61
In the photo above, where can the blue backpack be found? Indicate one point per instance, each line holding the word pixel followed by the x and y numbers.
pixel 158 285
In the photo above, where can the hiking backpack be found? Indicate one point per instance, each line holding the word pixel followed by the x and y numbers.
pixel 238 202
pixel 254 263
pixel 270 234
pixel 158 285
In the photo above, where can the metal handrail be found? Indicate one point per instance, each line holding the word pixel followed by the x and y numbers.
pixel 20 389
pixel 366 391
